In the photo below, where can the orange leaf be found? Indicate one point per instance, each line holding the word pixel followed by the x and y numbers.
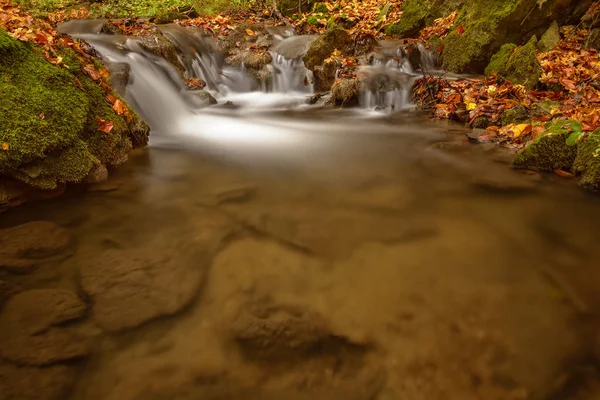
pixel 250 32
pixel 460 30
pixel 119 107
pixel 564 174
pixel 521 129
pixel 111 99
pixel 91 72
pixel 4 146
pixel 103 125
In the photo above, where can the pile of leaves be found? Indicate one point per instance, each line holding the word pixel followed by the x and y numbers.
pixel 361 17
pixel 23 26
pixel 571 78
pixel 440 28
pixel 226 23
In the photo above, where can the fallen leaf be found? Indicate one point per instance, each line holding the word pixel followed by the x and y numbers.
pixel 119 107
pixel 42 116
pixel 4 146
pixel 91 72
pixel 564 174
pixel 79 85
pixel 521 129
pixel 103 125
pixel 460 30
pixel 250 32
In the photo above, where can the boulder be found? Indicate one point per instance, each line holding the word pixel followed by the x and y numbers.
pixel 202 98
pixel 499 60
pixel 548 151
pixel 31 327
pixel 290 7
pixel 256 60
pixel 346 92
pixel 110 29
pixel 98 174
pixel 119 77
pixel 48 120
pixel 324 46
pixel 27 383
pixel 519 65
pixel 24 246
pixel 544 109
pixel 515 115
pixel 158 44
pixel 587 161
pixel 549 39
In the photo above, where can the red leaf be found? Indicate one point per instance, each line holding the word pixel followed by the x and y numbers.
pixel 91 72
pixel 460 30
pixel 564 174
pixel 119 107
pixel 103 125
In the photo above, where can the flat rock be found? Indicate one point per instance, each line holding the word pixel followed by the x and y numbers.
pixel 30 332
pixel 26 383
pixel 33 240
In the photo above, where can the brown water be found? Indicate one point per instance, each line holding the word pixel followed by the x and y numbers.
pixel 393 261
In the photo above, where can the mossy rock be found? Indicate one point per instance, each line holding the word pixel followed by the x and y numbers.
pixel 544 109
pixel 159 45
pixel 320 8
pixel 169 16
pixel 49 124
pixel 515 115
pixel 593 40
pixel 587 162
pixel 549 39
pixel 384 11
pixel 256 60
pixel 416 14
pixel 346 92
pixel 324 45
pixel 499 60
pixel 523 66
pixel 290 7
pixel 549 151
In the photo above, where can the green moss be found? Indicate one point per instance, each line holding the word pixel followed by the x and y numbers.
pixel 587 161
pixel 499 60
pixel 523 66
pixel 543 108
pixel 169 16
pixel 549 39
pixel 384 11
pixel 312 20
pixel 345 92
pixel 515 115
pixel 320 8
pixel 548 151
pixel 49 124
pixel 289 7
pixel 324 45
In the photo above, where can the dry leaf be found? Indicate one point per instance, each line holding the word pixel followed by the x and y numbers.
pixel 103 125
pixel 119 107
pixel 4 146
pixel 250 32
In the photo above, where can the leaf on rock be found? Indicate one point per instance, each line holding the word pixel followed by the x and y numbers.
pixel 5 146
pixel 460 30
pixel 250 32
pixel 119 107
pixel 91 72
pixel 104 126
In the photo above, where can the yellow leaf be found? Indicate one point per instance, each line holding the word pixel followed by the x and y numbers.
pixel 471 106
pixel 492 90
pixel 250 32
pixel 336 53
pixel 521 129
pixel 4 146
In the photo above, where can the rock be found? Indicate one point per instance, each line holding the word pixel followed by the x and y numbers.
pixel 30 323
pixel 499 60
pixel 515 115
pixel 169 16
pixel 481 122
pixel 119 77
pixel 294 47
pixel 264 41
pixel 133 286
pixel 33 240
pixel 159 45
pixel 593 40
pixel 110 29
pixel 549 39
pixel 523 66
pixel 290 7
pixel 26 383
pixel 268 333
pixel 256 60
pixel 324 45
pixel 202 98
pixel 474 134
pixel 346 92
pixel 324 76
pixel 587 161
pixel 98 174
pixel 6 291
pixel 544 109
pixel 548 151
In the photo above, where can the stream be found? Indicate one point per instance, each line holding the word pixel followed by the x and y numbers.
pixel 265 248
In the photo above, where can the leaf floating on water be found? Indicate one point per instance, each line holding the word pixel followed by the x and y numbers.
pixel 564 174
pixel 5 146
pixel 104 126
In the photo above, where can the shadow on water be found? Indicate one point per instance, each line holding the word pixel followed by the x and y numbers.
pixel 278 251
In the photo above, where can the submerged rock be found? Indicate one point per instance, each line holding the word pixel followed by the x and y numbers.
pixel 549 151
pixel 26 383
pixel 31 332
pixel 587 162
pixel 202 98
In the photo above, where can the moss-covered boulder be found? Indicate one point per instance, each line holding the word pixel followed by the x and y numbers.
pixel 544 109
pixel 346 92
pixel 518 65
pixel 256 60
pixel 322 48
pixel 549 151
pixel 499 60
pixel 290 7
pixel 593 40
pixel 587 162
pixel 549 39
pixel 515 115
pixel 169 16
pixel 49 121
pixel 488 25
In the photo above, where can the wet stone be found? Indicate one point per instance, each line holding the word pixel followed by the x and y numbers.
pixel 31 327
